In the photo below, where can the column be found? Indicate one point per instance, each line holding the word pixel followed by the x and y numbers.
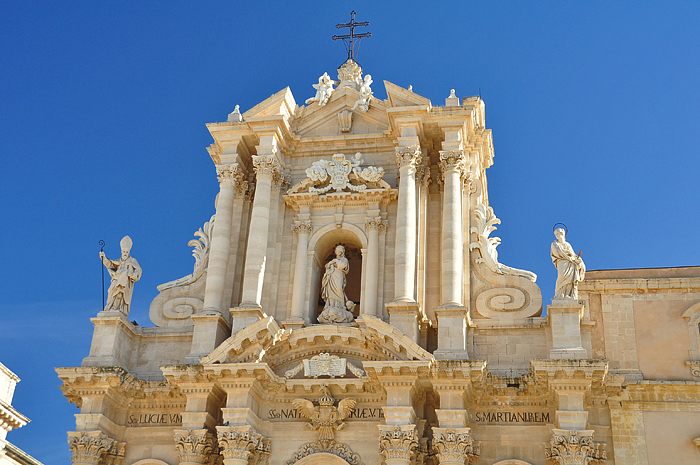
pixel 452 164
pixel 408 158
pixel 369 294
pixel 267 167
pixel 229 176
pixel 301 229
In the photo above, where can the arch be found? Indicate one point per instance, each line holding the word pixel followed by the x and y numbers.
pixel 512 462
pixel 330 231
pixel 150 462
pixel 321 458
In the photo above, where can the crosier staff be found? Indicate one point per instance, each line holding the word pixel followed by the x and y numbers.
pixel 102 251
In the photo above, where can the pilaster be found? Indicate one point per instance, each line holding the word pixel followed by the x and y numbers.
pixel 195 447
pixel 397 443
pixel 455 446
pixel 301 229
pixel 571 447
pixel 95 448
pixel 239 444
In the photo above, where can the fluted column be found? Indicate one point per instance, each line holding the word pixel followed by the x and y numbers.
pixel 407 158
pixel 266 168
pixel 369 295
pixel 230 179
pixel 454 446
pixel 301 229
pixel 195 447
pixel 452 164
pixel 397 443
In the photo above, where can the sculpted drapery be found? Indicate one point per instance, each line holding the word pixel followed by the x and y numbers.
pixel 124 272
pixel 338 308
pixel 570 267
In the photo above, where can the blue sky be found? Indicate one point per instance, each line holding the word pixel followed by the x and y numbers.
pixel 593 106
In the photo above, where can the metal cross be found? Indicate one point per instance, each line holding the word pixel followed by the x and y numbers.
pixel 352 36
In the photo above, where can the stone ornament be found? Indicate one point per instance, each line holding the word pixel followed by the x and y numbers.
pixel 338 308
pixel 233 174
pixel 397 442
pixel 242 443
pixel 195 446
pixel 92 447
pixel 409 156
pixel 453 160
pixel 570 267
pixel 455 445
pixel 350 75
pixel 235 116
pixel 267 165
pixel 376 223
pixel 124 272
pixel 574 448
pixel 325 418
pixel 302 227
pixel 485 225
pixel 325 364
pixel 324 89
pixel 365 95
pixel 336 448
pixel 339 174
pixel 200 252
pixel 345 120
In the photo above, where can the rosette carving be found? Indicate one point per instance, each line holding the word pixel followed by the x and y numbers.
pixel 397 442
pixel 89 447
pixel 454 445
pixel 198 446
pixel 410 155
pixel 574 448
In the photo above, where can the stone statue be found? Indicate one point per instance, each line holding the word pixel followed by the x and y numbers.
pixel 125 272
pixel 324 89
pixel 365 94
pixel 570 267
pixel 338 308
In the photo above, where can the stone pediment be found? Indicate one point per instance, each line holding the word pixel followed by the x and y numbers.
pixel 400 97
pixel 317 121
pixel 280 103
pixel 285 349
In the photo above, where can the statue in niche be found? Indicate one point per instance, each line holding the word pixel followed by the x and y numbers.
pixel 570 267
pixel 124 272
pixel 324 89
pixel 365 94
pixel 338 308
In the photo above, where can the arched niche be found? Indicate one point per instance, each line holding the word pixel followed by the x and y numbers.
pixel 321 249
pixel 150 462
pixel 512 462
pixel 321 458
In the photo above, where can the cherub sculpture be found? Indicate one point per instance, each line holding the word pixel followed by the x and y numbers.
pixel 326 418
pixel 365 94
pixel 324 89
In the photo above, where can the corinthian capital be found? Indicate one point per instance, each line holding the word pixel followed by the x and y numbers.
pixel 239 442
pixel 574 448
pixel 302 227
pixel 408 156
pixel 376 223
pixel 196 446
pixel 397 442
pixel 452 160
pixel 89 447
pixel 454 445
pixel 230 174
pixel 268 165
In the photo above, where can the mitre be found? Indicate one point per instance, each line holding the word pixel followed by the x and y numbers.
pixel 126 244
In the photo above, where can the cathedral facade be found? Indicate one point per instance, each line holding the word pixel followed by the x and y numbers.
pixel 347 306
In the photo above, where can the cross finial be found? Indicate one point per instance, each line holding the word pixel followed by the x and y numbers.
pixel 352 36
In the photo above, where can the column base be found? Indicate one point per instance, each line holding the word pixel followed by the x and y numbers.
pixel 210 330
pixel 245 315
pixel 405 316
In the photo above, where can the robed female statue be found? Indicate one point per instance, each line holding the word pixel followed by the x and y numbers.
pixel 338 308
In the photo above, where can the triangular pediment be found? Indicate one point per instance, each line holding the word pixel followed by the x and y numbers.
pixel 315 120
pixel 400 97
pixel 281 103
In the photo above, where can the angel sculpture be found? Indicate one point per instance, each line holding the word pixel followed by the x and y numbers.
pixel 324 89
pixel 325 418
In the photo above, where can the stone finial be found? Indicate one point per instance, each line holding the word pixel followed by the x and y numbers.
pixel 236 116
pixel 397 441
pixel 452 100
pixel 574 448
